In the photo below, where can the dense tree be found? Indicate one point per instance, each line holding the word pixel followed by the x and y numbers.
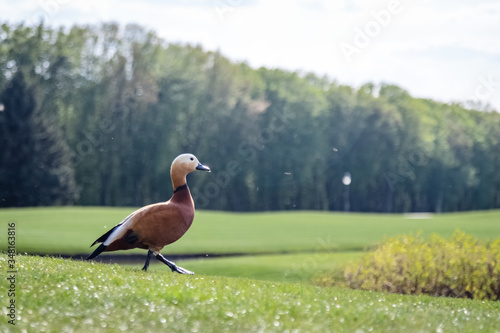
pixel 125 102
pixel 34 159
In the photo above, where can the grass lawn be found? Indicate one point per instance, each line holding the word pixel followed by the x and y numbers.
pixel 71 230
pixel 284 268
pixel 56 295
pixel 267 289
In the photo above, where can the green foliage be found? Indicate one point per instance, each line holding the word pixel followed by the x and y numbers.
pixel 126 103
pixel 459 267
pixel 55 295
pixel 35 167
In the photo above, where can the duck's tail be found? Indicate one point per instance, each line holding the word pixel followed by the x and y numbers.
pixel 97 251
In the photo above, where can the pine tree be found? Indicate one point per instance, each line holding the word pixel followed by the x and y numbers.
pixel 34 160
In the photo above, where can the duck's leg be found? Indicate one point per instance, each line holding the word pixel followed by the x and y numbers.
pixel 172 265
pixel 148 258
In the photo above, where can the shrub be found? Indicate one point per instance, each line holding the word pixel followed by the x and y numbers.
pixel 459 267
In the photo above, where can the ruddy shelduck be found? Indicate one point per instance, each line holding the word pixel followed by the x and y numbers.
pixel 154 226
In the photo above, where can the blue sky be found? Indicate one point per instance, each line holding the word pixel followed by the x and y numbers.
pixel 446 50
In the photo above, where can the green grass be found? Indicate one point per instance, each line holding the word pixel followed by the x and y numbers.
pixel 56 295
pixel 228 294
pixel 71 230
pixel 284 268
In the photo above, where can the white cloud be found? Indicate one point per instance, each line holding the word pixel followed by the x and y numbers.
pixel 433 49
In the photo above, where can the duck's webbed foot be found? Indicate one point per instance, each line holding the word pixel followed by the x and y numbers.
pixel 172 265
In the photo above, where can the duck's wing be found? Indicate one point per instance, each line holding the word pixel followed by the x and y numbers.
pixel 117 227
pixel 106 235
pixel 151 227
pixel 115 233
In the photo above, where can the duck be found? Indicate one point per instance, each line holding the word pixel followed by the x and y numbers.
pixel 154 226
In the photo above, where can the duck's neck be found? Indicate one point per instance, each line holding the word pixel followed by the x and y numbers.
pixel 177 180
pixel 182 195
pixel 180 188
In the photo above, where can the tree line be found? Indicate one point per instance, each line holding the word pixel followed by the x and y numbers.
pixel 94 115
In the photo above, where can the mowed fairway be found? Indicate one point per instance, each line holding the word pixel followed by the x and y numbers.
pixel 71 230
pixel 285 267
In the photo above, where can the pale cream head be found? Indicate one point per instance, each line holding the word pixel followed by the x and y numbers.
pixel 182 166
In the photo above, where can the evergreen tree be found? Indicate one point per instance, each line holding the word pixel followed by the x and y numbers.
pixel 34 160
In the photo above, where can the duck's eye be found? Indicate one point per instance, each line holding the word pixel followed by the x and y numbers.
pixel 192 158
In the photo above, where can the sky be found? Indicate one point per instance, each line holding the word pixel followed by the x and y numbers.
pixel 447 50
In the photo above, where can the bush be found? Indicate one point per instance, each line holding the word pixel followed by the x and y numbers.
pixel 459 267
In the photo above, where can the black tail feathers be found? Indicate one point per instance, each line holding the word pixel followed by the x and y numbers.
pixel 97 251
pixel 106 235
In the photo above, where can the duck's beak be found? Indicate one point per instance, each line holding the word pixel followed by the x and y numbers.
pixel 202 167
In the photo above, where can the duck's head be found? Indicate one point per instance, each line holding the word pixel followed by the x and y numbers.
pixel 183 165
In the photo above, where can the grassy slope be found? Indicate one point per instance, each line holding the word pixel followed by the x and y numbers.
pixel 284 268
pixel 73 229
pixel 56 295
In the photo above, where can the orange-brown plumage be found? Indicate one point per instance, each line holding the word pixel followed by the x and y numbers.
pixel 154 226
